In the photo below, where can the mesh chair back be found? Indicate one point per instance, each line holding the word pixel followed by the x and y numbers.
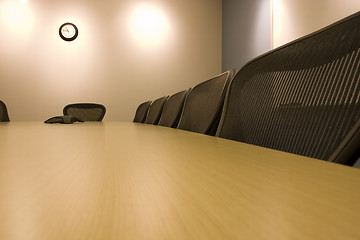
pixel 301 98
pixel 85 111
pixel 155 111
pixel 172 109
pixel 141 112
pixel 203 105
pixel 4 117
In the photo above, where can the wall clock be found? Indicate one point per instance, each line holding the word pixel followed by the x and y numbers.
pixel 68 31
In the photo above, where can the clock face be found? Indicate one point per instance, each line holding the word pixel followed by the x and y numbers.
pixel 68 32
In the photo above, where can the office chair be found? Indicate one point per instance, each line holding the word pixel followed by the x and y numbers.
pixel 172 109
pixel 155 111
pixel 203 105
pixel 302 98
pixel 4 116
pixel 141 112
pixel 85 111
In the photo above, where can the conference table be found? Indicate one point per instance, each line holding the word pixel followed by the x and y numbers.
pixel 122 180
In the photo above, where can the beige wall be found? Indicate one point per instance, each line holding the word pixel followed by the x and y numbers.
pixel 295 18
pixel 40 73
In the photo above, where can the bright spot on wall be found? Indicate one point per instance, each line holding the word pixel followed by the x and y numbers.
pixel 148 25
pixel 16 17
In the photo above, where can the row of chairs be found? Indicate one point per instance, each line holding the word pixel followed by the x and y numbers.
pixel 81 111
pixel 301 98
pixel 197 109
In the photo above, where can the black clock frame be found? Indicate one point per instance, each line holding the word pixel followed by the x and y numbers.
pixel 72 38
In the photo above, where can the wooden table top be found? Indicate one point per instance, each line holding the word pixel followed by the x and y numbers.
pixel 117 180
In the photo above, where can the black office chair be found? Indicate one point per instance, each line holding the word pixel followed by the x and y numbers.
pixel 85 111
pixel 141 112
pixel 203 105
pixel 4 116
pixel 302 98
pixel 155 111
pixel 172 109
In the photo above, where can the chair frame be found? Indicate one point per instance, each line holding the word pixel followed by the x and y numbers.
pixel 147 111
pixel 348 151
pixel 86 106
pixel 156 121
pixel 177 117
pixel 213 125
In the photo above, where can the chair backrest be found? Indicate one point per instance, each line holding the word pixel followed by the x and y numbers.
pixel 141 112
pixel 203 105
pixel 155 111
pixel 172 109
pixel 4 116
pixel 85 111
pixel 301 98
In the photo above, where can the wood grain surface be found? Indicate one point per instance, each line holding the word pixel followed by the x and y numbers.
pixel 118 180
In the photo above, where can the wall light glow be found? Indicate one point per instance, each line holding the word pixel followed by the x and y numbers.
pixel 16 17
pixel 148 25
